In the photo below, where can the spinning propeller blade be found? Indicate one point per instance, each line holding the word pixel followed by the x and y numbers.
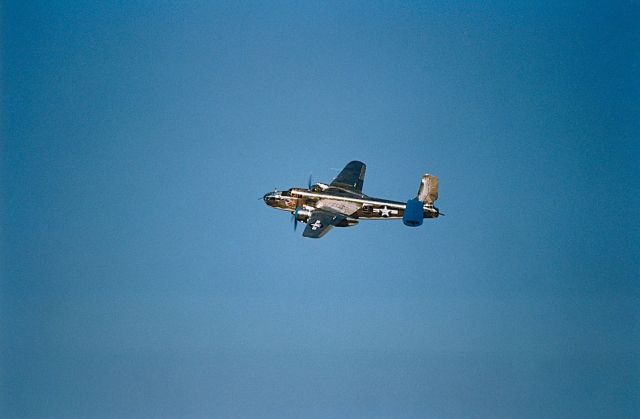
pixel 295 219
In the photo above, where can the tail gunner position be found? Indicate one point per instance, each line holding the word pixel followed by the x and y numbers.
pixel 342 203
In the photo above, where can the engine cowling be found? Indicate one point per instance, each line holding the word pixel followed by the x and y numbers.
pixel 319 187
pixel 413 214
pixel 347 222
pixel 301 214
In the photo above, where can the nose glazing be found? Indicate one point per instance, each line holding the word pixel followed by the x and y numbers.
pixel 268 197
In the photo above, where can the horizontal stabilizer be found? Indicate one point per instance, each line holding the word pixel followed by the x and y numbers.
pixel 428 192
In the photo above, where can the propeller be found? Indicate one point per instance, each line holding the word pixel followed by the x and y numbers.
pixel 294 214
pixel 294 218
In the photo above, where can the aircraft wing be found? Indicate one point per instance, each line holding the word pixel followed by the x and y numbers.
pixel 351 177
pixel 321 222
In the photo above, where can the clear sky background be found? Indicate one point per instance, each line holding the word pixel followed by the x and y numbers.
pixel 143 277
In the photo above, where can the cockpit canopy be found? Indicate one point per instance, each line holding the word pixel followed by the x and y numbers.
pixel 271 197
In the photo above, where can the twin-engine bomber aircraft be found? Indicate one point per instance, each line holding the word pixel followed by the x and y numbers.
pixel 341 203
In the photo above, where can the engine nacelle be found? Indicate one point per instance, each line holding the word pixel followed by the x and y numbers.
pixel 347 222
pixel 413 214
pixel 319 187
pixel 302 214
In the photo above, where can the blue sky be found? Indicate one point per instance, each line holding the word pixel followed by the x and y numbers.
pixel 142 277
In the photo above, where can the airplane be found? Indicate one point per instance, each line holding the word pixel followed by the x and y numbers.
pixel 342 203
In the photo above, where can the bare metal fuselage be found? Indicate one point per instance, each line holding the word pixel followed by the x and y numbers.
pixel 358 206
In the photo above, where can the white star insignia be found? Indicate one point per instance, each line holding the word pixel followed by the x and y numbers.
pixel 385 211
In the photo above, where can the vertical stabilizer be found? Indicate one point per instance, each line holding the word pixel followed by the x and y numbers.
pixel 428 192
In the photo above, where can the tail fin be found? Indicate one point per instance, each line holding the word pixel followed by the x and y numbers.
pixel 428 192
